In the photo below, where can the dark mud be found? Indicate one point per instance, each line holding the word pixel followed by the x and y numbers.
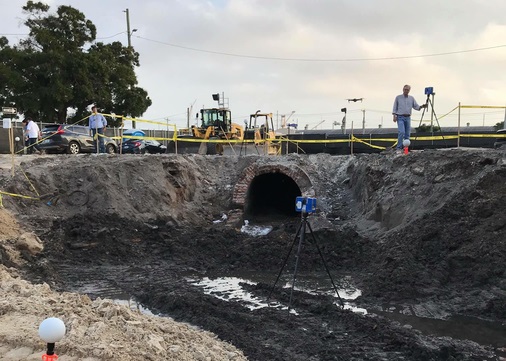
pixel 151 268
pixel 426 232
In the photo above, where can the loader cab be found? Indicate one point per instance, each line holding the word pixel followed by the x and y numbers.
pixel 261 126
pixel 219 118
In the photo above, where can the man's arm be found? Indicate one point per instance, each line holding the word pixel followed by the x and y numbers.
pixel 394 110
pixel 418 107
pixel 89 125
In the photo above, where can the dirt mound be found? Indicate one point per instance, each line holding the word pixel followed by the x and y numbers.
pixel 438 219
pixel 425 230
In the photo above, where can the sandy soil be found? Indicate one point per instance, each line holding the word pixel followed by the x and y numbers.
pixel 96 330
pixel 426 231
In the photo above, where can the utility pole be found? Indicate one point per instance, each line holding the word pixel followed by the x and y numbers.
pixel 343 123
pixel 129 33
pixel 363 121
pixel 504 124
pixel 129 37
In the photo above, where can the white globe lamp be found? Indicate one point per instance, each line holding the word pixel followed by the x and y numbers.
pixel 51 330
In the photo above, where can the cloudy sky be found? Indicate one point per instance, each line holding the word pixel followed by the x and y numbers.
pixel 306 56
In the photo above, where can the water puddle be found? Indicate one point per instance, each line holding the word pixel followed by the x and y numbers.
pixel 105 288
pixel 459 327
pixel 230 289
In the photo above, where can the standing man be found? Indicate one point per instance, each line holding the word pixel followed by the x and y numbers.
pixel 402 114
pixel 32 132
pixel 97 124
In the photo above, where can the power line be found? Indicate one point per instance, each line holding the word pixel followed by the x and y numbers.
pixel 112 36
pixel 298 59
pixel 322 60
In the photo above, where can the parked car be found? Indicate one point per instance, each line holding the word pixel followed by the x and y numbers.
pixel 500 141
pixel 72 139
pixel 142 146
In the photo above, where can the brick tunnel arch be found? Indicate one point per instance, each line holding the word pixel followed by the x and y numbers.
pixel 270 190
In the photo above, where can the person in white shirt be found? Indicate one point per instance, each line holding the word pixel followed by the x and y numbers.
pixel 33 133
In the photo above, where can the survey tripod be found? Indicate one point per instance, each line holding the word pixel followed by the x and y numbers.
pixel 433 116
pixel 301 235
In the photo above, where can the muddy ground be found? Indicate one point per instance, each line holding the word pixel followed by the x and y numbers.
pixel 425 232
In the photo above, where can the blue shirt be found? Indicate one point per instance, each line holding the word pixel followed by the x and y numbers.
pixel 403 105
pixel 97 121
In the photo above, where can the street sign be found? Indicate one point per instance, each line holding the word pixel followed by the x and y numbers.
pixel 9 110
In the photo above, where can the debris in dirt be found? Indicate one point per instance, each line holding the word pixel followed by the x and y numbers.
pixel 255 231
pixel 222 219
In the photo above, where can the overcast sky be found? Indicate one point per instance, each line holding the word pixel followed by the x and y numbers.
pixel 306 56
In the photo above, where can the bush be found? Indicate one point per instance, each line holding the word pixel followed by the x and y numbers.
pixel 427 128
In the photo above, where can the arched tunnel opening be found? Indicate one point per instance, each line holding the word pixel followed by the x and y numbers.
pixel 271 195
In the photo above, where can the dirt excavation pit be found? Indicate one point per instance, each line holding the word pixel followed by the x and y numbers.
pixel 167 257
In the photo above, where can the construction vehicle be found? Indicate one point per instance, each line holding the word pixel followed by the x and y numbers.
pixel 216 124
pixel 261 131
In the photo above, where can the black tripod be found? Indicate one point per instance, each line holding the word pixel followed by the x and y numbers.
pixel 433 116
pixel 301 234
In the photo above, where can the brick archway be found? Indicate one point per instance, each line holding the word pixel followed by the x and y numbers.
pixel 294 172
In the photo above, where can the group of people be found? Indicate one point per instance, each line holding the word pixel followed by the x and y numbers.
pixel 32 134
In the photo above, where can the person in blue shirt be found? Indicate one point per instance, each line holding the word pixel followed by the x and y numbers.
pixel 97 124
pixel 403 104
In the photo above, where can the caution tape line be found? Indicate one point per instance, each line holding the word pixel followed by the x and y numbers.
pixel 483 106
pixel 139 137
pixel 138 120
pixel 369 144
pixel 319 141
pixel 500 135
pixel 19 195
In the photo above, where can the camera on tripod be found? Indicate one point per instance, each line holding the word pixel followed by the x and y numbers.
pixel 305 205
pixel 429 90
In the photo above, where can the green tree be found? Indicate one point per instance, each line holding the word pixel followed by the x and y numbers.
pixel 58 66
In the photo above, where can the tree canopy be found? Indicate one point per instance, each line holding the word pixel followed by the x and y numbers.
pixel 60 66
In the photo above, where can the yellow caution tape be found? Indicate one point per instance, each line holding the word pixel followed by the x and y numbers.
pixel 18 195
pixel 320 141
pixel 483 106
pixel 366 143
pixel 483 135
